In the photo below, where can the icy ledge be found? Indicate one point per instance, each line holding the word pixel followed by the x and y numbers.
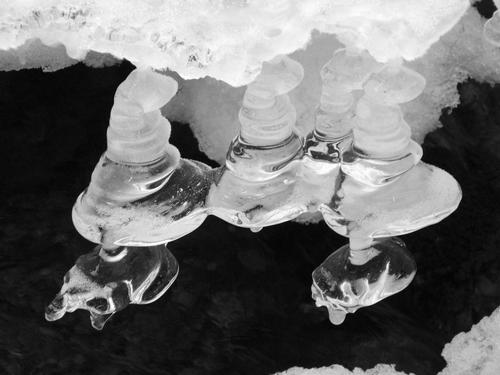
pixel 476 352
pixel 224 39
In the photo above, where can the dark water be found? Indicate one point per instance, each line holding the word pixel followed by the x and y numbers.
pixel 241 304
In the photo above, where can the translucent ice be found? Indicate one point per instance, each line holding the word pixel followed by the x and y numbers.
pixel 369 184
pixel 384 190
pixel 138 193
pixel 349 279
pixel 380 130
pixel 173 208
pixel 342 76
pixel 106 281
pixel 137 132
pixel 381 190
pixel 256 186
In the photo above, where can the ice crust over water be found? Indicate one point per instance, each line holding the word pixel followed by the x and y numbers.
pixel 224 39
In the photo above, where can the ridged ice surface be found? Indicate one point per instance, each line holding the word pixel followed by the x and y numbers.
pixel 137 132
pixel 257 186
pixel 225 39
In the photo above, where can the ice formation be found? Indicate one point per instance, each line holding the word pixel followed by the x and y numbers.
pixel 207 103
pixel 106 281
pixel 224 39
pixel 461 53
pixel 476 352
pixel 358 168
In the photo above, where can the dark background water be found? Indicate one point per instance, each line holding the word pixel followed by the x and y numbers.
pixel 241 304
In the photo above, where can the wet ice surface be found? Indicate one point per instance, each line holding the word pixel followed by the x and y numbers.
pixel 241 303
pixel 106 281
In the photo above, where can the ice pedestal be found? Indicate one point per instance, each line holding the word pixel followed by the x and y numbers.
pixel 257 186
pixel 343 75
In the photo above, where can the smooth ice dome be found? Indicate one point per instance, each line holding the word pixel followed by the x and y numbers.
pixel 225 39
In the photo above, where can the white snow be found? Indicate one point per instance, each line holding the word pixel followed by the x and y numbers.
pixel 229 39
pixel 211 106
pixel 476 352
pixel 224 39
pixel 339 370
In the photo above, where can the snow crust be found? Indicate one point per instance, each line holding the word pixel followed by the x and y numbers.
pixel 339 370
pixel 170 34
pixel 224 39
pixel 476 352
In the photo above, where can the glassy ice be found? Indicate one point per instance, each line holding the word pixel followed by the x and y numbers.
pixel 382 190
pixel 257 185
pixel 359 168
pixel 104 282
pixel 349 279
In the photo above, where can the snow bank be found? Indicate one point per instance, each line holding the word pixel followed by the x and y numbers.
pixel 476 352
